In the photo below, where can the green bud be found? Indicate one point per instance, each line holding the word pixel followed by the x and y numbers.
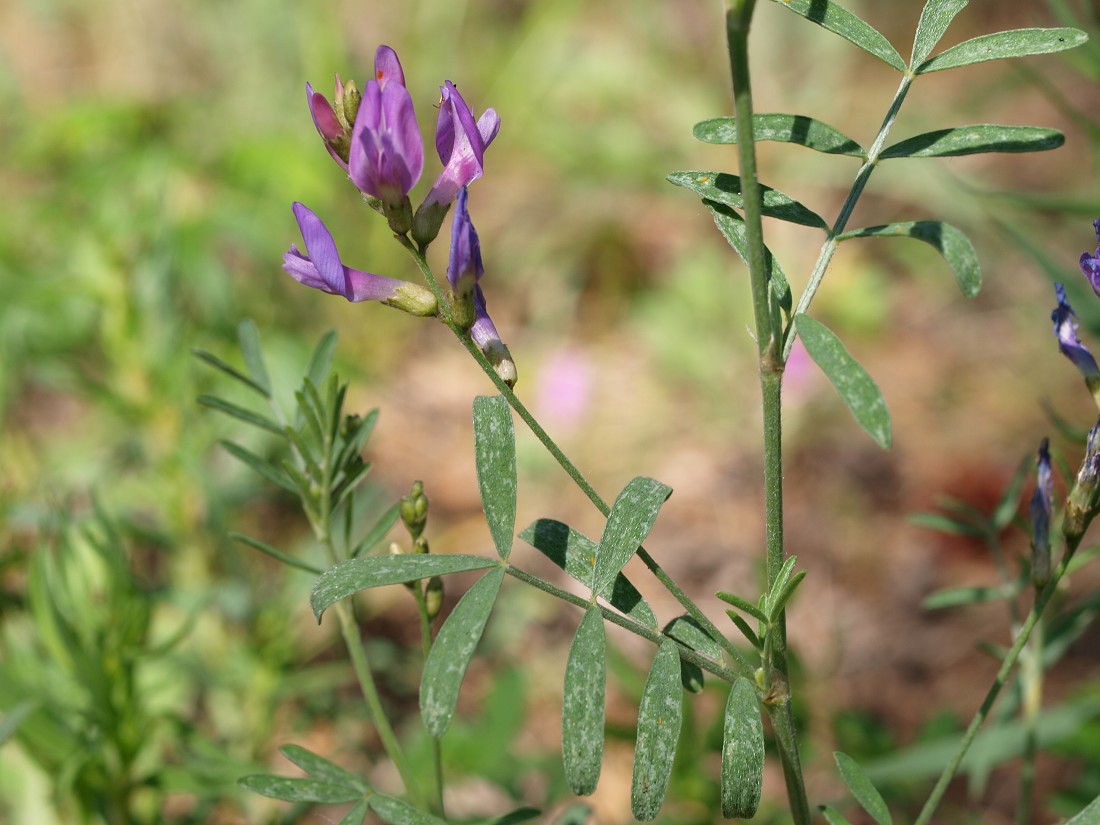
pixel 414 510
pixel 347 106
pixel 427 222
pixel 433 597
pixel 399 215
pixel 414 299
pixel 421 545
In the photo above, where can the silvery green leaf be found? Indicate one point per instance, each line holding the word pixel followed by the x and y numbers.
pixel 687 632
pixel 975 140
pixel 321 359
pixel 659 718
pixel 397 812
pixel 582 714
pixel 495 455
pixel 840 21
pixel 1090 815
pixel 742 752
pixel 356 813
pixel 934 20
pixel 629 522
pixel 299 789
pixel 732 227
pixel 320 768
pixel 797 129
pixel 864 792
pixel 722 188
pixel 834 817
pixel 1016 43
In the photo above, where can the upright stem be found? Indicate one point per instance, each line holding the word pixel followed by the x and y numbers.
pixel 437 745
pixel 769 339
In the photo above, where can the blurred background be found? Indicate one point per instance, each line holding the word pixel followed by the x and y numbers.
pixel 151 151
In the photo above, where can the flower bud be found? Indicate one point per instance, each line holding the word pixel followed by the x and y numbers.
pixel 1039 511
pixel 414 510
pixel 433 597
pixel 421 545
pixel 1082 502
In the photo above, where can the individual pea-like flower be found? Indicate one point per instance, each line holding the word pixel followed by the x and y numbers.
pixel 464 271
pixel 322 269
pixel 1065 327
pixel 461 143
pixel 1082 502
pixel 334 123
pixel 1039 510
pixel 1090 264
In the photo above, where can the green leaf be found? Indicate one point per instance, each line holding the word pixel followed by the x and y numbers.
pixel 321 359
pixel 352 575
pixel 241 414
pixel 732 227
pixel 742 752
pixel 975 140
pixel 232 372
pixel 744 605
pixel 854 386
pixel 779 601
pixel 320 768
pixel 249 338
pixel 798 129
pixel 260 465
pixel 387 520
pixel 840 21
pixel 396 812
pixel 298 789
pixel 864 792
pixel 946 524
pixel 452 651
pixel 1089 816
pixel 629 522
pixel 949 241
pixel 575 553
pixel 659 718
pixel 1016 43
pixel 574 815
pixel 746 631
pixel 10 721
pixel 495 455
pixel 722 188
pixel 934 20
pixel 357 813
pixel 959 596
pixel 833 817
pixel 279 555
pixel 689 633
pixel 513 817
pixel 582 714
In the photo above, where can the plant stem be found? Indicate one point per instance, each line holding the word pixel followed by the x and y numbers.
pixel 769 344
pixel 936 796
pixel 1031 681
pixel 437 745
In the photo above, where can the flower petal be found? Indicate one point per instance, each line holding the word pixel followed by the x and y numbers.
pixel 1065 327
pixel 387 68
pixel 322 249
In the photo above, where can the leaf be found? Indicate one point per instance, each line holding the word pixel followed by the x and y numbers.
pixel 732 227
pixel 357 813
pixel 260 465
pixel 974 140
pixel 629 522
pixel 582 714
pixel 1015 43
pixel 1009 503
pixel 298 789
pixel 864 792
pixel 495 455
pixel 742 752
pixel 1089 816
pixel 513 817
pixel 778 602
pixel 854 386
pixel 833 817
pixel 722 188
pixel 320 768
pixel 241 414
pixel 689 633
pixel 279 555
pixel 798 129
pixel 959 596
pixel 452 651
pixel 746 631
pixel 744 605
pixel 321 359
pixel 353 575
pixel 840 21
pixel 949 241
pixel 232 372
pixel 249 338
pixel 935 17
pixel 945 524
pixel 574 815
pixel 12 719
pixel 575 553
pixel 396 812
pixel 659 718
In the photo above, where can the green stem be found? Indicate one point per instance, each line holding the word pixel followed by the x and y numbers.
pixel 769 344
pixel 1031 681
pixel 1009 662
pixel 437 745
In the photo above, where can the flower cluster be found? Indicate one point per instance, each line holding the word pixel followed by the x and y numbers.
pixel 373 135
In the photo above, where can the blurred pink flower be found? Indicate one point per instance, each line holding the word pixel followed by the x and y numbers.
pixel 564 388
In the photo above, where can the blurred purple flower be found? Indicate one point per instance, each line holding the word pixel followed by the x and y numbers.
pixel 322 269
pixel 464 271
pixel 1039 510
pixel 1090 264
pixel 565 388
pixel 1065 327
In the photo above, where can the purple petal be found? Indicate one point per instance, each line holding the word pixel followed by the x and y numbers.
pixel 483 332
pixel 387 68
pixel 465 259
pixel 488 126
pixel 324 118
pixel 400 122
pixel 322 249
pixel 1065 327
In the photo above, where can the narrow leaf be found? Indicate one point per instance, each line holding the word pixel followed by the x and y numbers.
pixel 298 789
pixel 732 227
pixel 574 815
pixel 864 792
pixel 949 241
pixel 1089 816
pixel 249 338
pixel 320 768
pixel 780 600
pixel 746 631
pixel 261 466
pixel 513 817
pixel 357 813
pixel 1009 505
pixel 387 520
pixel 659 718
pixel 742 752
pixel 1016 43
pixel 833 817
pixel 582 714
pixel 798 129
pixel 687 632
pixel 575 553
pixel 232 372
pixel 396 812
pixel 840 21
pixel 495 455
pixel 743 605
pixel 241 414
pixel 722 188
pixel 353 575
pixel 975 140
pixel 321 359
pixel 945 524
pixel 959 596
pixel 781 578
pixel 452 651
pixel 278 555
pixel 854 386
pixel 934 20
pixel 631 518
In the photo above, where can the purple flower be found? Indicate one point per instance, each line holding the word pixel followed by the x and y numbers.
pixel 1039 509
pixel 1090 264
pixel 461 143
pixel 333 129
pixel 464 271
pixel 1065 327
pixel 322 269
